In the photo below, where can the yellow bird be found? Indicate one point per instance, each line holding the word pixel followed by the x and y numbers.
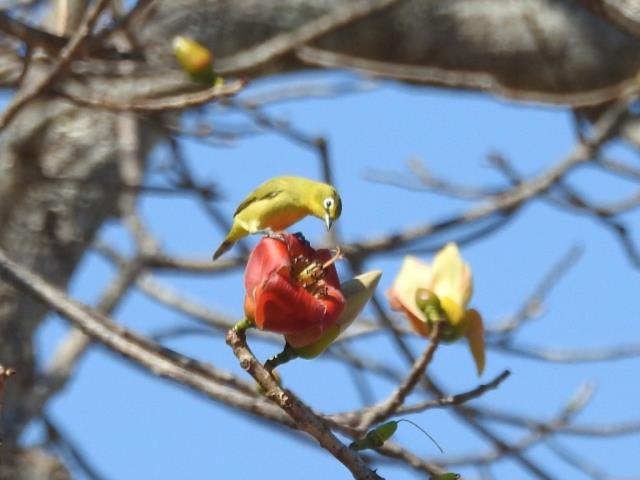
pixel 279 203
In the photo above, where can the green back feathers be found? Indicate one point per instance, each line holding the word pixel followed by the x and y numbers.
pixel 256 197
pixel 279 203
pixel 310 194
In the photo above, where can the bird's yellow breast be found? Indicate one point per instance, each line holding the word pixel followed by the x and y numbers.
pixel 284 218
pixel 274 214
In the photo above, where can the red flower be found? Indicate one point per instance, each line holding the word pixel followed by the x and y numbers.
pixel 292 289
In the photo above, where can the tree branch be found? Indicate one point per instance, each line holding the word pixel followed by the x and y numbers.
pixel 387 408
pixel 72 48
pixel 302 415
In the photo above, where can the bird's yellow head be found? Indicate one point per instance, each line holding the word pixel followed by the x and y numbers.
pixel 327 204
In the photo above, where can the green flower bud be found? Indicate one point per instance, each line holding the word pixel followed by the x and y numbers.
pixel 195 59
pixel 375 438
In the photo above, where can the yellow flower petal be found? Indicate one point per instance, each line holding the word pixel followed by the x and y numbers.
pixel 475 337
pixel 413 274
pixel 452 309
pixel 451 276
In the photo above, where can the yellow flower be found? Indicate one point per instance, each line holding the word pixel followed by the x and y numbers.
pixel 440 292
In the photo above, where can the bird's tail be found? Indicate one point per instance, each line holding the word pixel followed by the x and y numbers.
pixel 224 247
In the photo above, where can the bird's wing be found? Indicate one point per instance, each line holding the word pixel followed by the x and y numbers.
pixel 256 196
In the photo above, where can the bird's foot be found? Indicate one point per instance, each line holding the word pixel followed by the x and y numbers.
pixel 268 233
pixel 302 238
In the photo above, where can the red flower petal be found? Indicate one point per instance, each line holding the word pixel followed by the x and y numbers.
pixel 277 303
pixel 286 308
pixel 334 303
pixel 269 255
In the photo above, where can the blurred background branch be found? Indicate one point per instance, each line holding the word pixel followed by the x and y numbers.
pixel 96 93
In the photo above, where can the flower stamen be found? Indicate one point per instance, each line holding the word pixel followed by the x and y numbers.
pixel 310 274
pixel 338 256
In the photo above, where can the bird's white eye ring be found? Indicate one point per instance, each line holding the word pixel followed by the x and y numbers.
pixel 328 203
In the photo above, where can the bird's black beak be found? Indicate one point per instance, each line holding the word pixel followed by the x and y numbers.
pixel 327 221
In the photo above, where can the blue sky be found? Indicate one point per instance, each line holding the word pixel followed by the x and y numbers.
pixel 132 425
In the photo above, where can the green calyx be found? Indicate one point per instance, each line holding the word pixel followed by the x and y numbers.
pixel 429 303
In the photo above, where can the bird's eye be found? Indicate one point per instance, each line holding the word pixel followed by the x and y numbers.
pixel 328 203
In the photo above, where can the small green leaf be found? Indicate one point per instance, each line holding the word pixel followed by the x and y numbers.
pixel 447 476
pixel 375 438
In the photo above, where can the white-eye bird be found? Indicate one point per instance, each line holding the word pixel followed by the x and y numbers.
pixel 279 203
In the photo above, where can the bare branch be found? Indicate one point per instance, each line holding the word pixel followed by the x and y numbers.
pixel 534 300
pixel 33 37
pixel 389 406
pixel 284 43
pixel 457 399
pixel 203 378
pixel 72 48
pixel 162 104
pixel 71 450
pixel 572 407
pixel 520 420
pixel 582 355
pixel 509 199
pixel 471 80
pixel 302 415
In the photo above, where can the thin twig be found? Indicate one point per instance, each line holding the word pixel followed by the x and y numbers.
pixel 388 407
pixel 556 355
pixel 31 91
pixel 430 385
pixel 302 415
pixel 522 421
pixel 161 104
pixel 457 399
pixel 542 289
pixel 71 450
pixel 543 430
pixel 509 199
